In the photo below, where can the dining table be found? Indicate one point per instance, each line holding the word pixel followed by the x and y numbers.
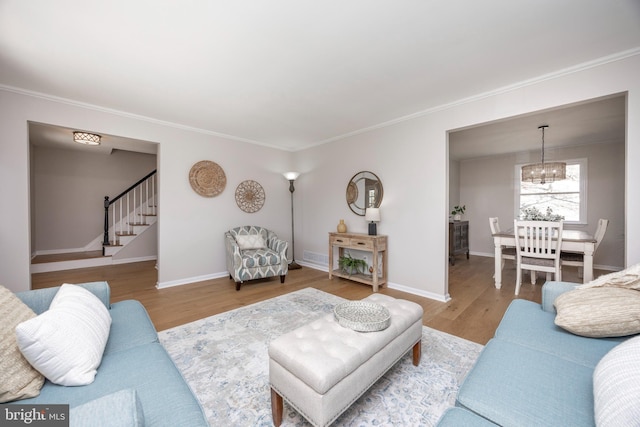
pixel 576 241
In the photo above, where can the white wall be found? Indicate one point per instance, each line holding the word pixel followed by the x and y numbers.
pixel 487 188
pixel 69 187
pixel 410 157
pixel 190 227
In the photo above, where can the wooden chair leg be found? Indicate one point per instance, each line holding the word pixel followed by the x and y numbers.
pixel 417 353
pixel 238 284
pixel 277 407
pixel 282 276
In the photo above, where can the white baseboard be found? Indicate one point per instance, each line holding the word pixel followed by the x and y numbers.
pixel 191 280
pixel 46 267
pixel 390 285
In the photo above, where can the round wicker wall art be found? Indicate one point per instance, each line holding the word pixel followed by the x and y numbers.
pixel 250 196
pixel 207 178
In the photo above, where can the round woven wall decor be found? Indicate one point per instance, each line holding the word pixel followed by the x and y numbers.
pixel 207 178
pixel 352 193
pixel 250 196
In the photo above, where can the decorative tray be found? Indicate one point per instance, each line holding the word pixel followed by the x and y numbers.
pixel 362 316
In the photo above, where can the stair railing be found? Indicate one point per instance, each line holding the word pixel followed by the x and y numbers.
pixel 129 208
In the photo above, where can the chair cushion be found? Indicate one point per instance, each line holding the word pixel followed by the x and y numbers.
pixel 251 241
pixel 526 324
pixel 616 386
pixel 599 312
pixel 18 379
pixel 259 258
pixel 538 261
pixel 119 409
pixel 165 396
pixel 513 385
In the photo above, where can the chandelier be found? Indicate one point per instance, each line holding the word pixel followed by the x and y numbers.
pixel 541 173
pixel 86 138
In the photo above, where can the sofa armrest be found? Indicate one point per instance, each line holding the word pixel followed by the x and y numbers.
pixel 552 290
pixel 39 300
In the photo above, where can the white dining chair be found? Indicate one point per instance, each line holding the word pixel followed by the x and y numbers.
pixel 577 260
pixel 538 248
pixel 508 252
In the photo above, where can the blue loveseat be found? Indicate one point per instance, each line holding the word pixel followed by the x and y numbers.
pixel 137 382
pixel 532 373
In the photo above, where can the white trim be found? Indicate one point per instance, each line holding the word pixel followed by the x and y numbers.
pixel 559 73
pixel 46 267
pixel 583 162
pixel 192 280
pixel 505 89
pixel 414 291
pixel 390 285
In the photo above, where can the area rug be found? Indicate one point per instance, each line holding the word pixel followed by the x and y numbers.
pixel 225 361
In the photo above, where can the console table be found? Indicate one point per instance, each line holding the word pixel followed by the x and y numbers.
pixel 377 245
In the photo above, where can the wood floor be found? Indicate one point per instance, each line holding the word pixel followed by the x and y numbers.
pixel 473 313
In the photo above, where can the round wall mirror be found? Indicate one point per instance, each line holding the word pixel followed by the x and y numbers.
pixel 364 191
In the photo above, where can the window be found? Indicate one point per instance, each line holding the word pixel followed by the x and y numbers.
pixel 567 197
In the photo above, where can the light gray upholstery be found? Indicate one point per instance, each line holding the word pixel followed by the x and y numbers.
pixel 257 263
pixel 321 368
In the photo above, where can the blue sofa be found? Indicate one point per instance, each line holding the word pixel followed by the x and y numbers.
pixel 137 382
pixel 532 373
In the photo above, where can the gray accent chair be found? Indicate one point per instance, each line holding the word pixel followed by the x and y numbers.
pixel 255 253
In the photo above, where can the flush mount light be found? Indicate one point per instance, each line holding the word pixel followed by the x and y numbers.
pixel 86 138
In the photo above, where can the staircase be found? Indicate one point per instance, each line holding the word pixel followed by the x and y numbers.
pixel 126 217
pixel 129 214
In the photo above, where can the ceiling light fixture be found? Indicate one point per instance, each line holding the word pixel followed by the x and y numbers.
pixel 86 138
pixel 541 173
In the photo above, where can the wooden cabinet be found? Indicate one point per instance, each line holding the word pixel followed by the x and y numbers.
pixel 377 245
pixel 458 239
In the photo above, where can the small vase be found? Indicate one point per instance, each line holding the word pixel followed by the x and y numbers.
pixel 342 227
pixel 457 217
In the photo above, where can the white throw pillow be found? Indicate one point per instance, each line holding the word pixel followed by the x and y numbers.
pixel 251 241
pixel 66 342
pixel 616 386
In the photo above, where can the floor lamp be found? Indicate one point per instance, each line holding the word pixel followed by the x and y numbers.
pixel 292 176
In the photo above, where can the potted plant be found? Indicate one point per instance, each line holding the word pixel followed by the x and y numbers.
pixel 534 214
pixel 458 211
pixel 350 265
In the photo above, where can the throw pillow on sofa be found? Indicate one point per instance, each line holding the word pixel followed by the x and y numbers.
pixel 616 386
pixel 599 312
pixel 66 342
pixel 18 379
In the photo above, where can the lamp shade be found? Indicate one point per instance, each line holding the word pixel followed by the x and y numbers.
pixel 372 214
pixel 291 176
pixel 541 173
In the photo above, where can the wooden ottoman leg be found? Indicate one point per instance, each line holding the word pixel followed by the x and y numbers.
pixel 417 353
pixel 276 407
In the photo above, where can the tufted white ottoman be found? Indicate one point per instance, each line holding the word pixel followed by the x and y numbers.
pixel 322 368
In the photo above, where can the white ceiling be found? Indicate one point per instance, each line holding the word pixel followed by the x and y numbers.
pixel 296 73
